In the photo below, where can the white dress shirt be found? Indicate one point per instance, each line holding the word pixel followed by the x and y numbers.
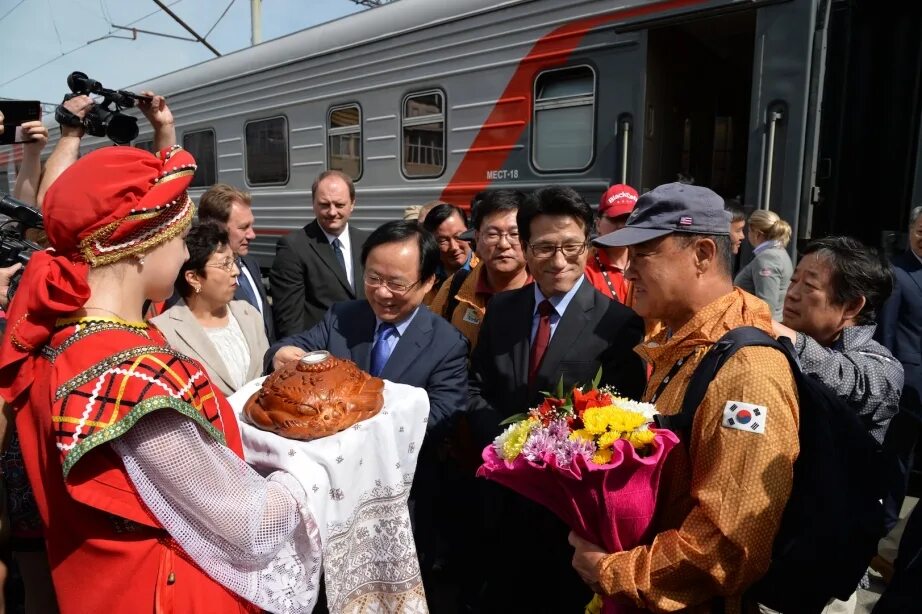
pixel 346 246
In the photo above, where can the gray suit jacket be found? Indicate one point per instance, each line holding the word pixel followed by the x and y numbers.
pixel 768 276
pixel 186 335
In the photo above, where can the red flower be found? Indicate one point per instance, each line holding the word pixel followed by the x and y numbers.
pixel 548 411
pixel 584 400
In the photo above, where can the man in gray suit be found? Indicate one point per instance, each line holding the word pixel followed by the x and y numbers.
pixel 318 265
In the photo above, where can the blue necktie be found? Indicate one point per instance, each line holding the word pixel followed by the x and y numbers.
pixel 381 350
pixel 338 252
pixel 249 294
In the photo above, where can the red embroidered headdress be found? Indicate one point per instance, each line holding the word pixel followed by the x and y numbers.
pixel 111 204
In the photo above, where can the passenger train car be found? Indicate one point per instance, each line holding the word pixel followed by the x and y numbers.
pixel 807 107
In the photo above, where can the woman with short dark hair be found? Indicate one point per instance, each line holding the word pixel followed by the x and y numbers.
pixel 226 336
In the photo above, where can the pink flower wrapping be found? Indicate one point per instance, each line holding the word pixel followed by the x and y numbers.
pixel 611 505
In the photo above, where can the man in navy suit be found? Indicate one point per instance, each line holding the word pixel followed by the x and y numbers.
pixel 393 336
pixel 900 330
pixel 559 327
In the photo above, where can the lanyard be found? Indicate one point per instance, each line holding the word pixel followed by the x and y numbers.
pixel 672 373
pixel 611 287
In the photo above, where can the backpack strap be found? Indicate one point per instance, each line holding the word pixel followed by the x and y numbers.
pixel 728 345
pixel 457 280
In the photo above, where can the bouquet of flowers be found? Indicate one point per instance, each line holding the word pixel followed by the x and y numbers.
pixel 591 457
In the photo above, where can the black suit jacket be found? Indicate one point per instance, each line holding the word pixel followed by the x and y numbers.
pixel 252 266
pixel 594 331
pixel 899 327
pixel 431 354
pixel 306 278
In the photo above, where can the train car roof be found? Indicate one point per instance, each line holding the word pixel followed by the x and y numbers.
pixel 346 32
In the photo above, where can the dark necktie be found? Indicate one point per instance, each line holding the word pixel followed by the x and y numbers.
pixel 249 293
pixel 338 252
pixel 381 350
pixel 542 339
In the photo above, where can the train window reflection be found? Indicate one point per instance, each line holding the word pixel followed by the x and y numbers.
pixel 344 148
pixel 424 134
pixel 563 129
pixel 267 151
pixel 202 147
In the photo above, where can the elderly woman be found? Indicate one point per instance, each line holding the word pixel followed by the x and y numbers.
pixel 769 273
pixel 226 336
pixel 135 458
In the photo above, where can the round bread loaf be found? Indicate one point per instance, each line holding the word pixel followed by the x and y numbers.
pixel 316 396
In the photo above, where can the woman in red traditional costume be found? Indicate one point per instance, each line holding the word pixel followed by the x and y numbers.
pixel 134 457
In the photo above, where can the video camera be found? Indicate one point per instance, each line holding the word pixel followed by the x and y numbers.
pixel 101 119
pixel 14 247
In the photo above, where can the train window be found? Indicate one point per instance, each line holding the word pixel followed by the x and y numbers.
pixel 345 140
pixel 267 151
pixel 202 147
pixel 424 134
pixel 145 145
pixel 564 120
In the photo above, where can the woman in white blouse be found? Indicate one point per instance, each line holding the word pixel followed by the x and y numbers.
pixel 226 336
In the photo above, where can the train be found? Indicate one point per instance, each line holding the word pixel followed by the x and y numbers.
pixel 809 108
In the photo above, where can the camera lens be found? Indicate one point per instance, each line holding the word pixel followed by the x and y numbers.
pixel 77 82
pixel 122 129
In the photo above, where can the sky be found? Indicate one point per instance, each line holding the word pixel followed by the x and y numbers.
pixel 43 41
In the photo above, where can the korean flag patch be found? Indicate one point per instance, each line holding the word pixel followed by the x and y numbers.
pixel 745 416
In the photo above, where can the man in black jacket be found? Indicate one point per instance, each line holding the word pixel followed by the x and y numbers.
pixel 558 327
pixel 318 265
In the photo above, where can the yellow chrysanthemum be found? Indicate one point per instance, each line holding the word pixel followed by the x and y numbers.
pixel 518 435
pixel 596 420
pixel 607 440
pixel 602 457
pixel 640 439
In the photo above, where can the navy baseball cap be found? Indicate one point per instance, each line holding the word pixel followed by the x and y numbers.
pixel 672 207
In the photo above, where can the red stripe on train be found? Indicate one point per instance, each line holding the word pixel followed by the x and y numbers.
pixel 504 126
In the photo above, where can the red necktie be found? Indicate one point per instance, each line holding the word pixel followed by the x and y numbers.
pixel 542 339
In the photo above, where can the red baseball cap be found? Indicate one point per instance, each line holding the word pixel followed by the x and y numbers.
pixel 618 200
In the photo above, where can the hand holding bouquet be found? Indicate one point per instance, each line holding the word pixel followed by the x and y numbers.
pixel 591 457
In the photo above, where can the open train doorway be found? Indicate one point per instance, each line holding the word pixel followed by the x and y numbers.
pixel 697 103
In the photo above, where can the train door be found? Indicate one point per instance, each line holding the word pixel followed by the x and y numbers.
pixel 731 103
pixel 697 103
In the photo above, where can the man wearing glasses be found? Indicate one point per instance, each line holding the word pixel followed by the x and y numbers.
pixel 464 298
pixel 392 336
pixel 558 327
pixel 388 334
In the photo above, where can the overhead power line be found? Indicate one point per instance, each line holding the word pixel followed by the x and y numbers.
pixel 372 3
pixel 167 10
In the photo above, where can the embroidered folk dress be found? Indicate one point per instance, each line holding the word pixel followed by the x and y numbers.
pixel 137 467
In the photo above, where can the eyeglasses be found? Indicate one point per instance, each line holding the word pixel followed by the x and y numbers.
pixel 394 287
pixel 228 265
pixel 548 250
pixel 493 238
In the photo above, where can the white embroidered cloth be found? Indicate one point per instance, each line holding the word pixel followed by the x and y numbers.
pixel 357 484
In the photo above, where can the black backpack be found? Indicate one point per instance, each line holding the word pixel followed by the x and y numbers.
pixel 832 522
